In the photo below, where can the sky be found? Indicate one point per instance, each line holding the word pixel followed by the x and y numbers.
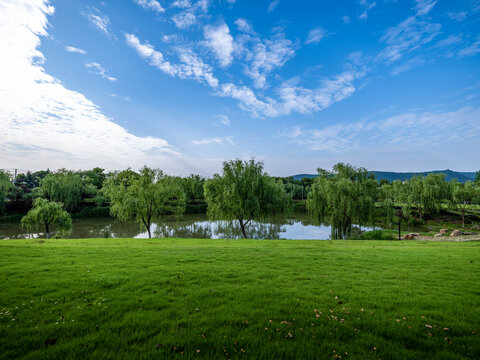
pixel 184 85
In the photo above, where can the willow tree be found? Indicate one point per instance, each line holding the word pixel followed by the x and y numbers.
pixel 143 197
pixel 347 195
pixel 62 186
pixel 244 193
pixel 45 214
pixel 463 195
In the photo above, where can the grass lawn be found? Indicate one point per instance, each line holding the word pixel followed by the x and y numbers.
pixel 185 298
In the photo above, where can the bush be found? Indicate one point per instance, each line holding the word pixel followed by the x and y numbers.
pixel 377 235
pixel 299 207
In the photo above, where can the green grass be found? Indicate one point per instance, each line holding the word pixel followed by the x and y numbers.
pixel 179 298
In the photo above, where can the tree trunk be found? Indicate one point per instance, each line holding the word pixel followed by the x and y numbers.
pixel 242 226
pixel 399 231
pixel 47 230
pixel 463 218
pixel 147 225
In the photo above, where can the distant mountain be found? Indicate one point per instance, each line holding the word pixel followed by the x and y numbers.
pixel 392 176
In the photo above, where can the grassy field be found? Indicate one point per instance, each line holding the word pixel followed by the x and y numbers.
pixel 179 298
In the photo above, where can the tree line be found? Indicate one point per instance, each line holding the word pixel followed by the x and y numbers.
pixel 243 192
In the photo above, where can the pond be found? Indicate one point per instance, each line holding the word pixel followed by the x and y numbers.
pixel 298 227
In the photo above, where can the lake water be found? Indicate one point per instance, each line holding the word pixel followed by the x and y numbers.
pixel 298 227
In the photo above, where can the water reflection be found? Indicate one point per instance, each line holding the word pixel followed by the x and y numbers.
pixel 190 226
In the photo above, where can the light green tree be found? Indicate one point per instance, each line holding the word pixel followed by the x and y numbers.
pixel 244 193
pixel 347 195
pixel 143 197
pixel 45 214
pixel 62 186
pixel 463 195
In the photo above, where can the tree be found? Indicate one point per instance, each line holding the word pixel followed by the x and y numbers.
pixel 347 194
pixel 140 198
pixel 5 186
pixel 63 186
pixel 193 187
pixel 46 213
pixel 477 177
pixel 245 193
pixel 464 195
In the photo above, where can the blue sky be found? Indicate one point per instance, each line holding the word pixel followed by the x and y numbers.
pixel 184 85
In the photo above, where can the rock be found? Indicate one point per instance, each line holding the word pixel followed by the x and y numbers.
pixel 408 237
pixel 443 231
pixel 476 227
pixel 456 233
pixel 415 234
pixel 438 235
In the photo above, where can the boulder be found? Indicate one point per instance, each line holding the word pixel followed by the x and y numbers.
pixel 456 233
pixel 408 237
pixel 443 231
pixel 438 235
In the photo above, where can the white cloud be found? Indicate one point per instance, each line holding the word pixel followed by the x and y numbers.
pixel 45 124
pixel 192 66
pixel 100 22
pixel 223 119
pixel 219 40
pixel 346 19
pixel 470 50
pixel 150 4
pixel 315 35
pixel 184 20
pixel 457 16
pixel 97 69
pixel 244 26
pixel 423 7
pixel 408 130
pixel 273 5
pixel 264 55
pixel 216 140
pixel 411 34
pixel 182 4
pixel 365 7
pixel 75 50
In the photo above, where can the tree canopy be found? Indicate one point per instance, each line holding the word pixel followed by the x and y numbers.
pixel 347 194
pixel 46 213
pixel 5 186
pixel 244 192
pixel 143 196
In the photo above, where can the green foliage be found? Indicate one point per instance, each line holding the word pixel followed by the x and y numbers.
pixel 46 213
pixel 300 207
pixel 63 186
pixel 477 177
pixel 193 187
pixel 142 196
pixel 5 186
pixel 377 235
pixel 244 192
pixel 347 195
pixel 464 195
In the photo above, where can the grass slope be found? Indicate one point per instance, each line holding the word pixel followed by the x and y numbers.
pixel 179 298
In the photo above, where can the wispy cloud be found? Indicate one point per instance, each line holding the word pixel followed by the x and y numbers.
pixel 365 7
pixel 458 16
pixel 70 130
pixel 97 69
pixel 346 19
pixel 150 5
pixel 411 34
pixel 75 50
pixel 216 140
pixel 423 7
pixel 412 128
pixel 100 22
pixel 244 26
pixel 219 40
pixel 223 119
pixel 191 66
pixel 273 5
pixel 470 50
pixel 316 35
